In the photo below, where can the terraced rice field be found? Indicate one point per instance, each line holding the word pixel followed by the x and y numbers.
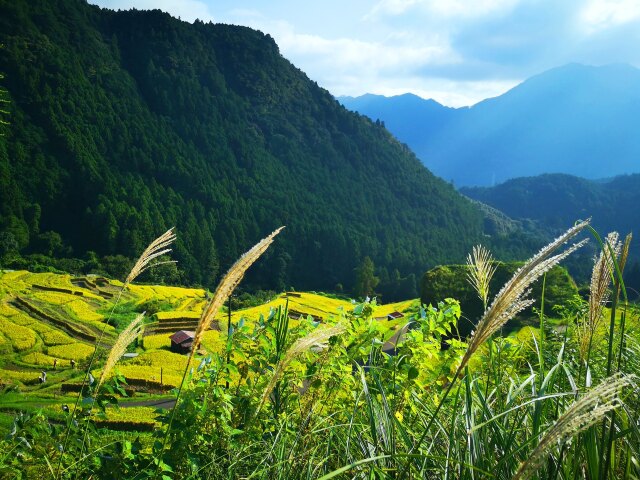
pixel 48 322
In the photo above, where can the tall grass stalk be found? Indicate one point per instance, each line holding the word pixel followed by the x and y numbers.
pixel 228 283
pixel 316 338
pixel 618 283
pixel 155 249
pixel 507 303
pixel 130 333
pixel 582 414
pixel 541 347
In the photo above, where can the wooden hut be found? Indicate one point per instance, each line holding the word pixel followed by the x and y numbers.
pixel 182 341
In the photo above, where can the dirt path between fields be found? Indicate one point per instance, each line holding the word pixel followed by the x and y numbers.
pixel 166 403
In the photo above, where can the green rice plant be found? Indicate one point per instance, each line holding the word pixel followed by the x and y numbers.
pixel 55 298
pixel 139 374
pixel 157 341
pixel 7 311
pixel 50 335
pixel 53 337
pixel 132 415
pixel 23 376
pixel 71 351
pixel 5 345
pixel 82 311
pixel 214 341
pixel 177 314
pixel 39 359
pixel 22 338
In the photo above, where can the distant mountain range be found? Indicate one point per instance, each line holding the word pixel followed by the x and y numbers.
pixel 575 119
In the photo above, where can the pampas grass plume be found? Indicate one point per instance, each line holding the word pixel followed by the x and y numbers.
pixel 155 249
pixel 510 300
pixel 481 269
pixel 588 410
pixel 317 338
pixel 127 336
pixel 601 278
pixel 599 292
pixel 227 285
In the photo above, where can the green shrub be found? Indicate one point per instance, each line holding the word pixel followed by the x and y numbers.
pixel 450 281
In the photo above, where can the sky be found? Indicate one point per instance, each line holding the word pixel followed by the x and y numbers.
pixel 457 52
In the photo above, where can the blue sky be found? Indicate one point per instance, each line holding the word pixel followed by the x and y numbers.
pixel 455 51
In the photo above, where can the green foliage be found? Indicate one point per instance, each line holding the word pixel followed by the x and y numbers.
pixel 450 280
pixel 352 407
pixel 253 299
pixel 366 281
pixel 394 287
pixel 154 305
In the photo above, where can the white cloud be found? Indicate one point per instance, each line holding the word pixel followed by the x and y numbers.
pixel 352 54
pixel 353 66
pixel 444 8
pixel 455 51
pixel 603 14
pixel 447 92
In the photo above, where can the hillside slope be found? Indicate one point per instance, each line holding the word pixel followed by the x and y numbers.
pixel 49 320
pixel 126 123
pixel 575 119
pixel 553 201
pixel 556 200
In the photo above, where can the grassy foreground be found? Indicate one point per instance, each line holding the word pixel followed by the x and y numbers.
pixel 284 397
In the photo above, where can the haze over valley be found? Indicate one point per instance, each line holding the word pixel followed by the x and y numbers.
pixel 575 119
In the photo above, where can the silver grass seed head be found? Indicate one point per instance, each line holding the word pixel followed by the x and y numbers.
pixel 156 249
pixel 509 301
pixel 128 335
pixel 599 293
pixel 229 282
pixel 625 251
pixel 588 410
pixel 601 278
pixel 317 337
pixel 481 267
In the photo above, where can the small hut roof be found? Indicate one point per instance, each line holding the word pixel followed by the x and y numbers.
pixel 182 336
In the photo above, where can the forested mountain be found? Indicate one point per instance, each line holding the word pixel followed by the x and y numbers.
pixel 575 119
pixel 123 124
pixel 553 201
pixel 556 200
